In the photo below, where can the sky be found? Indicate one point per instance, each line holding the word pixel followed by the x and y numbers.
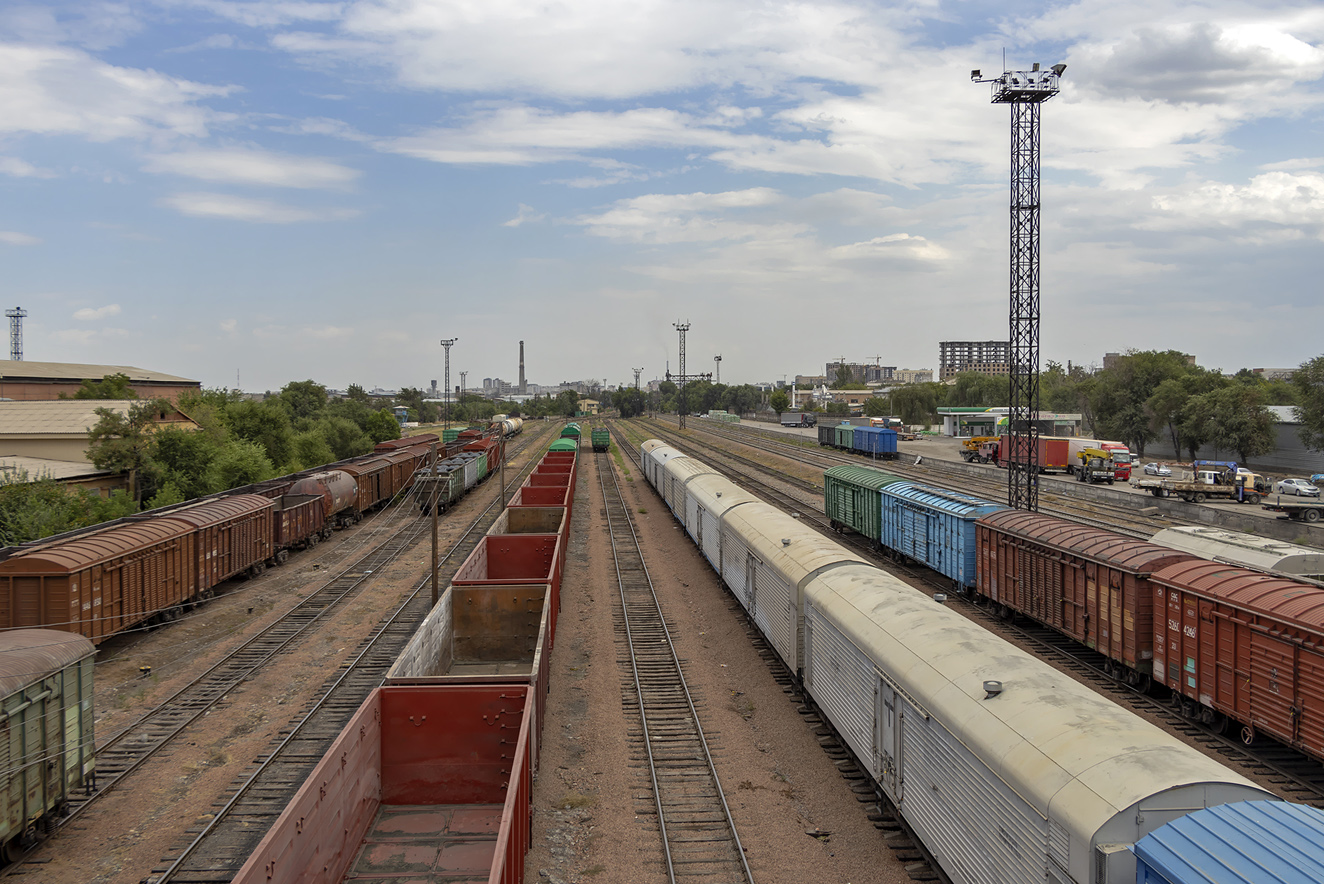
pixel 253 193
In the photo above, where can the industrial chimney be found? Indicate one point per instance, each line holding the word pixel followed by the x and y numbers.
pixel 523 388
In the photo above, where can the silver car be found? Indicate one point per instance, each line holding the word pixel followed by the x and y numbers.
pixel 1299 487
pixel 1157 469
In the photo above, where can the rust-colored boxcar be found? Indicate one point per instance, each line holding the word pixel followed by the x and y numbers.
pixel 492 448
pixel 298 522
pixel 547 480
pixel 1090 584
pixel 231 534
pixel 1244 645
pixel 99 584
pixel 373 481
pixel 423 440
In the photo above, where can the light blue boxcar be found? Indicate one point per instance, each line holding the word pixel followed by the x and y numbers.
pixel 875 441
pixel 1247 842
pixel 934 527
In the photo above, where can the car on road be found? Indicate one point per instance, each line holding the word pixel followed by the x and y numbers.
pixel 1157 469
pixel 1296 486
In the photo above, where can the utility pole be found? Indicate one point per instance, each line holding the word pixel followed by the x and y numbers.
pixel 1025 91
pixel 683 378
pixel 448 343
pixel 16 333
pixel 436 493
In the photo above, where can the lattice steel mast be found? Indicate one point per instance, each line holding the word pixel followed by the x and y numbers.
pixel 448 343
pixel 682 379
pixel 637 372
pixel 16 333
pixel 1025 91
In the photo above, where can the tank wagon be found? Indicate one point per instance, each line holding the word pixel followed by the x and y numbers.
pixel 953 723
pixel 420 768
pixel 47 744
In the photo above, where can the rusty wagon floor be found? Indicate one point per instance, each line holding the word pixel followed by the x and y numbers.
pixel 428 844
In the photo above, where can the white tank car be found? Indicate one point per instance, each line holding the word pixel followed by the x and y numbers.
pixel 708 498
pixel 1007 769
pixel 1036 778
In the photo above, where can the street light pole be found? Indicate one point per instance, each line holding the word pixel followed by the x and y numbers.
pixel 448 343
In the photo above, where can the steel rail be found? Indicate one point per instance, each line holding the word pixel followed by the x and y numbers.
pixel 647 607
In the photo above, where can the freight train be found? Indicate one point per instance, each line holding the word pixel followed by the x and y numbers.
pixel 138 570
pixel 1006 769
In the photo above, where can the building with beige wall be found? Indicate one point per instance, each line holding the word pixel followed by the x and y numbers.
pixel 57 430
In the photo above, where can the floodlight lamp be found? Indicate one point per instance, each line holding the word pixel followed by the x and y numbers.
pixel 1059 68
pixel 975 75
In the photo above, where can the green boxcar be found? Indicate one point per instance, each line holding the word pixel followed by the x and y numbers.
pixel 852 497
pixel 601 439
pixel 571 431
pixel 564 444
pixel 450 435
pixel 844 436
pixel 47 746
pixel 482 465
pixel 442 489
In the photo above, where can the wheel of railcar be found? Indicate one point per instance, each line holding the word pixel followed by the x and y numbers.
pixel 282 557
pixel 1248 734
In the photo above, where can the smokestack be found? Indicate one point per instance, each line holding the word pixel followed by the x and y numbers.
pixel 523 388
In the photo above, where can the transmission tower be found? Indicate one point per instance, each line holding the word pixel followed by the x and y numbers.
pixel 637 372
pixel 718 360
pixel 16 333
pixel 682 379
pixel 448 343
pixel 1025 91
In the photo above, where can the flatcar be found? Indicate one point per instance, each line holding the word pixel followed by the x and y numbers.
pixel 954 724
pixel 47 742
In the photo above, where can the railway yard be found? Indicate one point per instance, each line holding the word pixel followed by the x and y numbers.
pixel 675 744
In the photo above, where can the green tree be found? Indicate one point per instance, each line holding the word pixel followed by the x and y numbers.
pixel 916 404
pixel 33 509
pixel 841 377
pixel 1120 395
pixel 1308 381
pixel 876 406
pixel 184 457
pixel 1237 420
pixel 112 386
pixel 566 403
pixel 629 402
pixel 122 443
pixel 311 449
pixel 779 401
pixel 1172 406
pixel 303 398
pixel 266 424
pixel 355 393
pixel 974 390
pixel 382 426
pixel 344 437
pixel 240 462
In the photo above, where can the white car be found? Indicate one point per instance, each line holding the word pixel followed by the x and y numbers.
pixel 1157 469
pixel 1298 487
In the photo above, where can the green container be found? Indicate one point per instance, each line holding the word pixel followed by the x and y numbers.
pixel 564 444
pixel 450 435
pixel 852 496
pixel 844 436
pixel 482 465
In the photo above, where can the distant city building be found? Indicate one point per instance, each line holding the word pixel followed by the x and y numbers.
pixel 1274 374
pixel 860 372
pixel 981 357
pixel 1110 360
pixel 913 376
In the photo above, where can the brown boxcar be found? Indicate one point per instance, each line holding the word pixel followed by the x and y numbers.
pixel 492 448
pixel 232 534
pixel 99 584
pixel 1087 583
pixel 1245 646
pixel 298 522
pixel 402 465
pixel 373 481
pixel 422 440
pixel 337 488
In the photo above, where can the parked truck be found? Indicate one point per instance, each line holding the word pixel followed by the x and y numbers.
pixel 1121 455
pixel 798 419
pixel 1209 480
pixel 1095 465
pixel 979 449
pixel 1053 456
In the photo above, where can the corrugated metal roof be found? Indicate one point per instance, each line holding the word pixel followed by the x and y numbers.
pixel 27 655
pixel 12 370
pixel 64 557
pixel 1301 604
pixel 1249 842
pixel 941 499
pixel 50 417
pixel 1116 550
pixel 14 465
pixel 209 512
pixel 862 476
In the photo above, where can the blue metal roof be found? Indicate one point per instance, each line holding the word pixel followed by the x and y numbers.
pixel 1249 842
pixel 941 499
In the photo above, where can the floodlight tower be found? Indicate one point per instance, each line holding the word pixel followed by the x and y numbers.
pixel 718 360
pixel 448 343
pixel 682 378
pixel 637 372
pixel 16 333
pixel 1025 91
pixel 463 375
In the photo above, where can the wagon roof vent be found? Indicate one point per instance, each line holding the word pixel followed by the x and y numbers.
pixel 992 689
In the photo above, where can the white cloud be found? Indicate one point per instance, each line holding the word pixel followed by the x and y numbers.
pixel 890 247
pixel 264 14
pixel 50 90
pixel 22 169
pixel 1274 198
pixel 94 313
pixel 253 166
pixel 215 41
pixel 219 205
pixel 688 218
pixel 12 238
pixel 525 215
pixel 229 325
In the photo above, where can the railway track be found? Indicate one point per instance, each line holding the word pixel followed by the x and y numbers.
pixel 1293 773
pixel 214 851
pixel 699 840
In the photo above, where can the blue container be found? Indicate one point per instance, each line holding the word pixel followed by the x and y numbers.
pixel 875 442
pixel 1248 842
pixel 934 527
